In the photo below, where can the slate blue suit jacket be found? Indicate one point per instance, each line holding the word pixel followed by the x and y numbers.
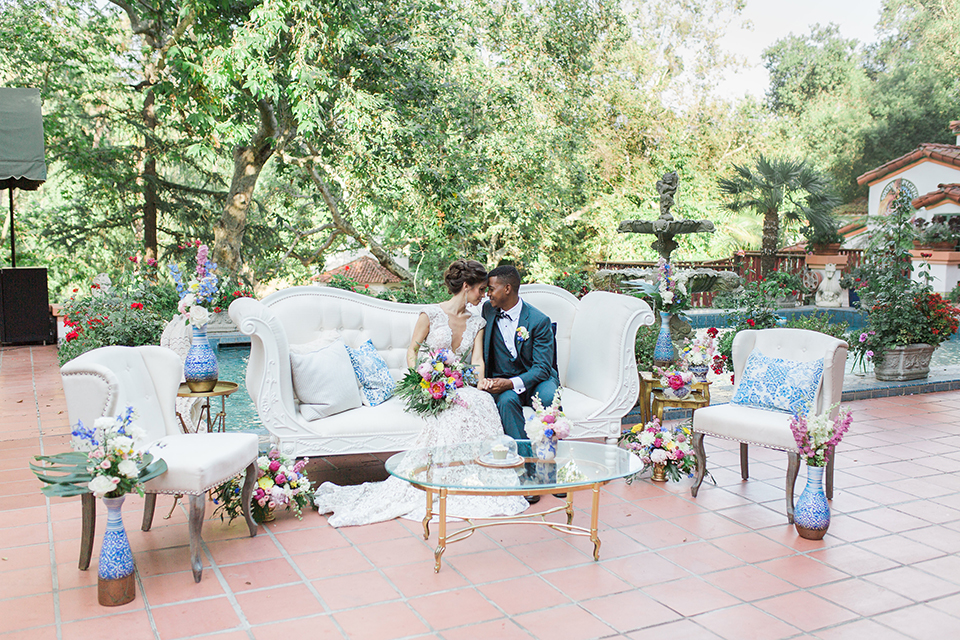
pixel 535 354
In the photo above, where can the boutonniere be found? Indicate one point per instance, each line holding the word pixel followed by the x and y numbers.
pixel 522 334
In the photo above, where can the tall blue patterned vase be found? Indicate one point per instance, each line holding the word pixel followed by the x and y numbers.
pixel 546 467
pixel 663 353
pixel 811 516
pixel 200 368
pixel 115 581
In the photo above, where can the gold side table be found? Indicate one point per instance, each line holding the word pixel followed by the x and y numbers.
pixel 650 387
pixel 216 422
pixel 699 397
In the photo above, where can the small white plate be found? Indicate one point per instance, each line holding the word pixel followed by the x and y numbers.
pixel 487 460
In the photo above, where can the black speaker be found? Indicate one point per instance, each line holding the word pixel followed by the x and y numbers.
pixel 24 307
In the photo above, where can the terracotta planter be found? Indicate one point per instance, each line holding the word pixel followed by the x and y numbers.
pixel 910 362
pixel 936 246
pixel 827 249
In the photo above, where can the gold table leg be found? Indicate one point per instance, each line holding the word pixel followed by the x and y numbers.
pixel 594 516
pixel 429 515
pixel 569 508
pixel 442 537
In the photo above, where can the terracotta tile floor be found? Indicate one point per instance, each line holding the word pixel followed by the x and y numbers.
pixel 726 565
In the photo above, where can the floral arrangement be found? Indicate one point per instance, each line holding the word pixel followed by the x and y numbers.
pixel 657 444
pixel 675 378
pixel 547 423
pixel 817 437
pixel 105 461
pixel 432 386
pixel 200 290
pixel 700 351
pixel 523 334
pixel 669 292
pixel 280 483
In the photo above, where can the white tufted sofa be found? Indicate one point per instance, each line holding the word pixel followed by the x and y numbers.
pixel 595 353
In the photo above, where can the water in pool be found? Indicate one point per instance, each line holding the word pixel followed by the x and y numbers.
pixel 241 414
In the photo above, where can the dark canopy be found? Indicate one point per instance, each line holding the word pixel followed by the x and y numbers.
pixel 21 140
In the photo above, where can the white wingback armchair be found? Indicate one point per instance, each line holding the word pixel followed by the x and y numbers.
pixel 769 428
pixel 103 382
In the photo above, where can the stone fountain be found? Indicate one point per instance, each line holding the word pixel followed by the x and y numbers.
pixel 665 229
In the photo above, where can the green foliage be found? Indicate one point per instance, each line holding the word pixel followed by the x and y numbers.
pixel 780 188
pixel 754 309
pixel 579 283
pixel 132 311
pixel 818 322
pixel 645 343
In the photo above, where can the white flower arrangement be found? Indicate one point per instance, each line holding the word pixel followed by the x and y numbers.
pixel 106 460
pixel 548 422
pixel 522 334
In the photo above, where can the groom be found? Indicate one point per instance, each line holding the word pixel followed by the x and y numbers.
pixel 518 348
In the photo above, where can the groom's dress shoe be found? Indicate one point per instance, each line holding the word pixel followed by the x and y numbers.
pixel 532 499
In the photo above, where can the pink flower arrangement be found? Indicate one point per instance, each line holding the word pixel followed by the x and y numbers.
pixel 817 437
pixel 280 483
pixel 657 444
pixel 432 386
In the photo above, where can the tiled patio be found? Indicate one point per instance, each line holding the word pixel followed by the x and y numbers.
pixel 725 565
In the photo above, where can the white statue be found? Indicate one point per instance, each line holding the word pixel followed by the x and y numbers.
pixel 828 293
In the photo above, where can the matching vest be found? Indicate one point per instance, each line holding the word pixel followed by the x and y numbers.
pixel 503 365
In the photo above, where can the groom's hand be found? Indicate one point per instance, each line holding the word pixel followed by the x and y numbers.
pixel 496 385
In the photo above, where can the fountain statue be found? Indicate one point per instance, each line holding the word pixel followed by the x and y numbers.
pixel 665 229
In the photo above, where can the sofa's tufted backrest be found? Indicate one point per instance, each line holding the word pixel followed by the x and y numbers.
pixel 309 314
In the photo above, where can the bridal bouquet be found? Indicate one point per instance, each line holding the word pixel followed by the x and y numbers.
pixel 280 483
pixel 432 386
pixel 105 461
pixel 547 423
pixel 817 437
pixel 198 291
pixel 659 445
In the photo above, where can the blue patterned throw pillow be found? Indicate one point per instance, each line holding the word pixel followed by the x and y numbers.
pixel 775 383
pixel 376 382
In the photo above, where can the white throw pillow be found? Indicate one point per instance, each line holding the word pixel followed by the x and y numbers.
pixel 324 339
pixel 324 381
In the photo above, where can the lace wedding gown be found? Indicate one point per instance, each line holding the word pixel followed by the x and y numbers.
pixel 476 419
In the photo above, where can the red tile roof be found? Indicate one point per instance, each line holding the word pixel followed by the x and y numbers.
pixel 945 153
pixel 365 270
pixel 944 192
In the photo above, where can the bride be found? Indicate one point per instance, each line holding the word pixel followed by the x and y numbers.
pixel 448 325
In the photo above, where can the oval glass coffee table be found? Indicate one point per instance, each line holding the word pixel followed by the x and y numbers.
pixel 444 471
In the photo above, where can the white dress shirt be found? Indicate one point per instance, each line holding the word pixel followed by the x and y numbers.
pixel 508 331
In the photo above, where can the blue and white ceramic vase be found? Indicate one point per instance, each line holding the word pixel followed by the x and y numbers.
pixel 200 368
pixel 677 394
pixel 115 580
pixel 663 352
pixel 811 516
pixel 545 467
pixel 699 372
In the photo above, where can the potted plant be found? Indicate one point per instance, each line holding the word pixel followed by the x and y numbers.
pixel 940 233
pixel 823 240
pixel 905 326
pixel 667 450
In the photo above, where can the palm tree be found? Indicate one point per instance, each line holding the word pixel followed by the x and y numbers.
pixel 793 189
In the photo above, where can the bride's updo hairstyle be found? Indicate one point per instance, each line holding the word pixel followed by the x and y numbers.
pixel 463 273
